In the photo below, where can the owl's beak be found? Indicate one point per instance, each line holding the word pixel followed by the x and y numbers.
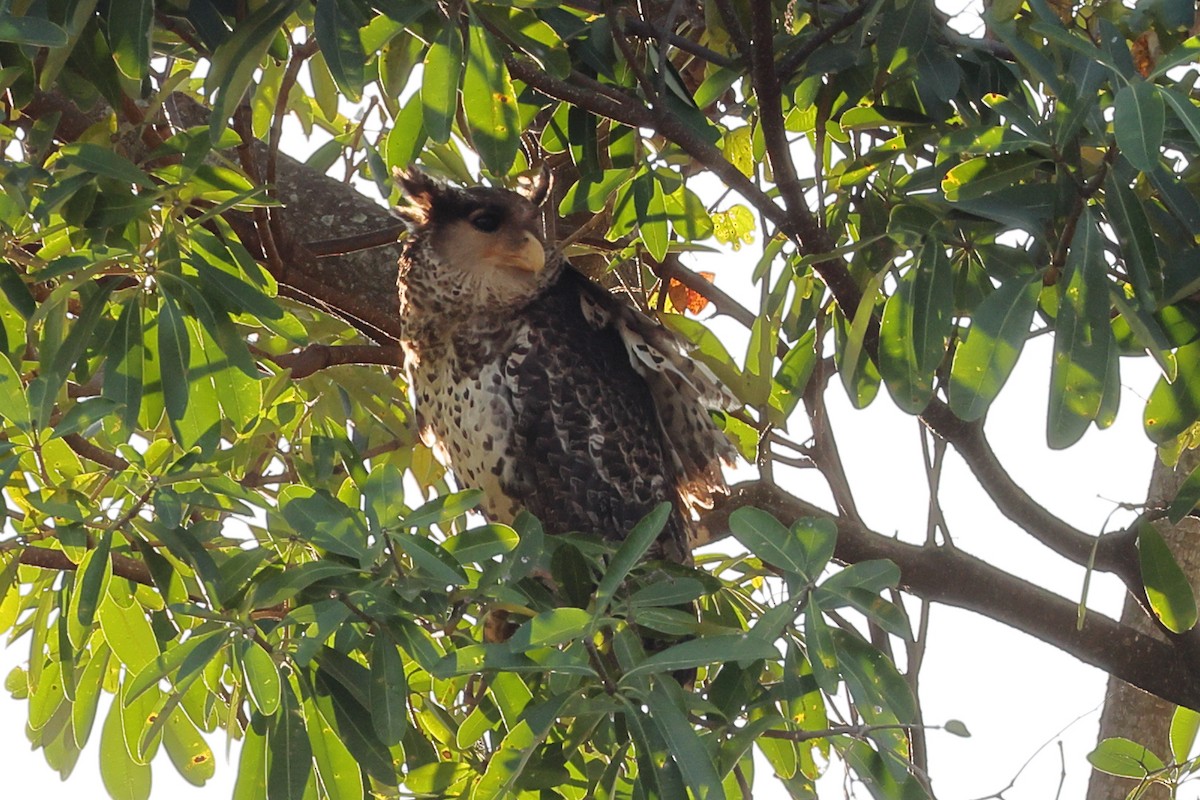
pixel 529 255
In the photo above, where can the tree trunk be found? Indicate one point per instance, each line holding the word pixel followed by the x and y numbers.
pixel 1128 711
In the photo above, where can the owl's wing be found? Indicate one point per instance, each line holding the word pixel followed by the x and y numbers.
pixel 683 390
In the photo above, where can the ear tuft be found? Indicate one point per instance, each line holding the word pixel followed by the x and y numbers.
pixel 419 190
pixel 537 188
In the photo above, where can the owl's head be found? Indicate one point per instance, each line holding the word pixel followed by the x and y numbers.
pixel 480 244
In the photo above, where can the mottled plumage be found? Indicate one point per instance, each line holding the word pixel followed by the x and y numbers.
pixel 538 386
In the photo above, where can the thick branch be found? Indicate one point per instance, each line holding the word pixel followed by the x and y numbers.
pixel 123 566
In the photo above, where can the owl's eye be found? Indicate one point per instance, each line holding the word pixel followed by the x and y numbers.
pixel 486 221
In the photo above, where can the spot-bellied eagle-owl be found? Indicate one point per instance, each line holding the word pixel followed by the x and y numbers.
pixel 541 388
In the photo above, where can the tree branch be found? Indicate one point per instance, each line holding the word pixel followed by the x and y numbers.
pixel 317 357
pixel 123 566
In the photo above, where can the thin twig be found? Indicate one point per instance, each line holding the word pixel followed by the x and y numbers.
pixel 792 60
pixel 317 357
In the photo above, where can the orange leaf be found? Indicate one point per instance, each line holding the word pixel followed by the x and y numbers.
pixel 683 298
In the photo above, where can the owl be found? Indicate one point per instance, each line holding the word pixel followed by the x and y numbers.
pixel 539 387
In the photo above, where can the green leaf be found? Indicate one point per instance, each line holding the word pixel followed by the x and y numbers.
pixel 123 778
pixel 441 509
pixel 325 521
pixel 516 761
pixel 910 389
pixel 522 27
pixel 803 550
pixel 719 649
pixel 639 540
pixel 174 349
pixel 252 763
pixel 105 162
pixel 95 572
pixel 490 103
pixel 592 193
pixel 1184 109
pixel 1184 725
pixel 129 25
pixel 1174 405
pixel 82 415
pixel 439 83
pixel 407 136
pixel 889 616
pixel 31 30
pixel 1138 121
pixel 14 288
pixel 228 290
pixel 13 405
pixel 1167 587
pixel 263 682
pixel 237 58
pixel 478 545
pixel 1084 348
pixel 191 755
pixel 181 662
pixel 956 728
pixel 1129 221
pixel 129 634
pixel 668 591
pixel 87 693
pixel 337 769
pixel 985 359
pixel 388 692
pixel 1186 498
pixel 353 721
pixel 433 779
pixel 325 91
pixel 500 657
pixel 651 209
pixel 857 371
pixel 873 576
pixel 338 38
pixel 429 557
pixel 979 179
pixel 44 389
pixel 47 697
pixel 933 306
pixel 1118 756
pixel 290 752
pixel 821 653
pixel 873 680
pixel 284 585
pixel 551 628
pixel 693 758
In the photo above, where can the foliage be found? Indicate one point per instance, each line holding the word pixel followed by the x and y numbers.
pixel 1119 756
pixel 215 507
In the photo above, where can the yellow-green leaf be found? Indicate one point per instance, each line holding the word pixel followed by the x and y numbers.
pixel 490 103
pixel 439 82
pixel 1167 587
